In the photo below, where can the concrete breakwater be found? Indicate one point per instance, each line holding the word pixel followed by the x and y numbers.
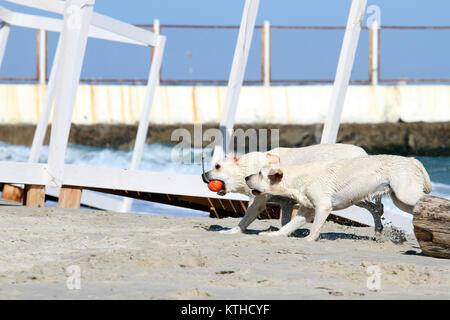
pixel 418 138
pixel 402 119
pixel 284 105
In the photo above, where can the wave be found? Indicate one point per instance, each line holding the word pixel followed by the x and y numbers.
pixel 440 185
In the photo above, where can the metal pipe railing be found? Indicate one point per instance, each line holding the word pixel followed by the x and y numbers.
pixel 374 61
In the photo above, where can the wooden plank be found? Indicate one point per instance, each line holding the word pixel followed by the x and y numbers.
pixel 232 205
pixel 142 181
pixel 294 212
pixel 70 197
pixel 91 199
pixel 222 206
pixel 213 210
pixel 432 226
pixel 22 172
pixel 34 196
pixel 12 193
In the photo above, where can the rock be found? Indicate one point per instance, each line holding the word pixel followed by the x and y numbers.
pixel 418 138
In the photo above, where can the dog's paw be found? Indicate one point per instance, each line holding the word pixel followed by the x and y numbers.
pixel 271 234
pixel 231 231
pixel 309 239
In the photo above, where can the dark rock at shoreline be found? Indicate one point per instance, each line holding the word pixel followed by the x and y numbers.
pixel 417 138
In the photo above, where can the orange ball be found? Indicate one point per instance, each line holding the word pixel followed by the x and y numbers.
pixel 215 185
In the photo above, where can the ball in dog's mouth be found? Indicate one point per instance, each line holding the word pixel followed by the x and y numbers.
pixel 256 192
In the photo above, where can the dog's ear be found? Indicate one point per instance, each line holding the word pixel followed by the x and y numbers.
pixel 275 176
pixel 233 156
pixel 272 158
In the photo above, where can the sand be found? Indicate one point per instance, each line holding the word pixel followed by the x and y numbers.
pixel 130 256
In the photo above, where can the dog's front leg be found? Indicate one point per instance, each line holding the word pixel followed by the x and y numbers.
pixel 287 207
pixel 255 206
pixel 287 229
pixel 321 215
pixel 303 215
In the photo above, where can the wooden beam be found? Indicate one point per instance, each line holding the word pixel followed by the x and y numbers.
pixel 34 196
pixel 70 197
pixel 432 226
pixel 12 193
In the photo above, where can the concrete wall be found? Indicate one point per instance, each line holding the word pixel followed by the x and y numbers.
pixel 110 104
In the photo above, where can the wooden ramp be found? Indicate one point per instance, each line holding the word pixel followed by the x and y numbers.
pixel 217 208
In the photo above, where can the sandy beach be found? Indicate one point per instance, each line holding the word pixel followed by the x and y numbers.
pixel 131 256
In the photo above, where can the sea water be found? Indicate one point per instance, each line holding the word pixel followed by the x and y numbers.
pixel 162 158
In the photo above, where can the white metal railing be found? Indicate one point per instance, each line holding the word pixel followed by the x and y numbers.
pixel 80 22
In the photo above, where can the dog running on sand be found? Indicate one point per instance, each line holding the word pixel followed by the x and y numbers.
pixel 233 169
pixel 322 187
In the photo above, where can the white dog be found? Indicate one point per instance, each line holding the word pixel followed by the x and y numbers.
pixel 233 169
pixel 322 187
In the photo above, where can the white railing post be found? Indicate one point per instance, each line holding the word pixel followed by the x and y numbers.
pixel 374 29
pixel 156 30
pixel 41 127
pixel 4 34
pixel 266 51
pixel 236 78
pixel 343 72
pixel 141 136
pixel 73 38
pixel 42 56
pixel 374 23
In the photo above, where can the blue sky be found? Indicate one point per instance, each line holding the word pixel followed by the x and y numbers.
pixel 279 12
pixel 193 54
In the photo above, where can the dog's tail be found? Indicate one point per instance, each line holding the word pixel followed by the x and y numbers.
pixel 426 178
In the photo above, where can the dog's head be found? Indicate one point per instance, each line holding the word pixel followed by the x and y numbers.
pixel 228 170
pixel 267 178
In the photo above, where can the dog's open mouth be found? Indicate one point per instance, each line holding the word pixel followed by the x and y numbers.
pixel 256 192
pixel 222 190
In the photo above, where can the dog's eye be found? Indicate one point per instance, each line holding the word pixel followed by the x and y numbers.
pixel 217 166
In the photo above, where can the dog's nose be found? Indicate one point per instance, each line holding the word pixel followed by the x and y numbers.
pixel 247 178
